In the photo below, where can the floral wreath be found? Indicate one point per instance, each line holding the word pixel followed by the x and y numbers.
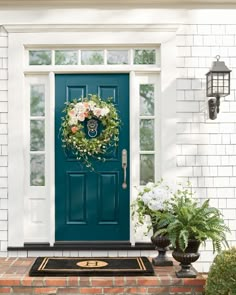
pixel 88 113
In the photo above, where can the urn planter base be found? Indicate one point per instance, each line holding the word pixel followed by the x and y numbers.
pixel 186 271
pixel 161 243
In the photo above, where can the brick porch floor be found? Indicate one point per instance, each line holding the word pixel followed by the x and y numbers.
pixel 14 279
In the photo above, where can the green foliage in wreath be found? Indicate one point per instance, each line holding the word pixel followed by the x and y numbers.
pixel 74 137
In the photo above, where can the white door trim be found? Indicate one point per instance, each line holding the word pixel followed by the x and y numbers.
pixel 17 69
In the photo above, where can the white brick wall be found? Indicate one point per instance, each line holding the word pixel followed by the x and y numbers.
pixel 3 142
pixel 206 149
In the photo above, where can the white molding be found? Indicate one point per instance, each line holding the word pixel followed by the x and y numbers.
pixel 18 42
pixel 40 28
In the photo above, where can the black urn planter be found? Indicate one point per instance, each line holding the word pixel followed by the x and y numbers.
pixel 187 257
pixel 161 243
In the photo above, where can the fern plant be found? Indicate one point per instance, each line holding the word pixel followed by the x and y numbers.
pixel 184 218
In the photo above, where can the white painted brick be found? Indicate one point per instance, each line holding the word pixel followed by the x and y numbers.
pixel 209 40
pixel 3 86
pixel 203 63
pixel 4 245
pixel 232 51
pixel 225 160
pixel 197 171
pixel 195 127
pixel 200 73
pixel 201 182
pixel 3 95
pixel 232 160
pixel 4 63
pixel 226 139
pixel 204 29
pixel 209 128
pixel 219 50
pixel 3 193
pixel 233 138
pixel 227 128
pixel 232 182
pixel 231 203
pixel 3 139
pixel 218 29
pixel 4 150
pixel 179 149
pixel 193 181
pixel 3 161
pixel 3 235
pixel 206 150
pixel 183 84
pixel 230 149
pixel 222 203
pixel 215 138
pixel 182 73
pixel 211 193
pixel 188 106
pixel 234 171
pixel 188 40
pixel 191 62
pixel 214 160
pixel 190 160
pixel 232 225
pixel 228 40
pixel 3 74
pixel 225 171
pixel 4 204
pixel 201 51
pixel 193 139
pixel 189 95
pixel 3 182
pixel 3 128
pixel 3 52
pixel 184 117
pixel 184 51
pixel 220 150
pixel 201 193
pixel 3 106
pixel 229 213
pixel 189 149
pixel 201 160
pixel 225 192
pixel 3 214
pixel 3 118
pixel 198 40
pixel 221 182
pixel 185 171
pixel 3 171
pixel 196 84
pixel 3 225
pixel 230 29
pixel 190 73
pixel 232 106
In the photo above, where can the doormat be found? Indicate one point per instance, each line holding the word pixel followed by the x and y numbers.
pixel 99 266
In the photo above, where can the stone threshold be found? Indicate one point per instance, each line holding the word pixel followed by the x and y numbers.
pixel 14 279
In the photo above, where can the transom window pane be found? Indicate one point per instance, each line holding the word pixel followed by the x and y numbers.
pixel 146 94
pixel 66 57
pixel 40 57
pixel 144 56
pixel 37 100
pixel 117 57
pixel 92 57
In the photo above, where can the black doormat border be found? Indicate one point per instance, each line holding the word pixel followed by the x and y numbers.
pixel 91 266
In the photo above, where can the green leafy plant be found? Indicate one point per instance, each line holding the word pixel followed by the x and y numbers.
pixel 184 218
pixel 221 278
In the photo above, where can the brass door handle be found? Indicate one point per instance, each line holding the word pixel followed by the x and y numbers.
pixel 124 166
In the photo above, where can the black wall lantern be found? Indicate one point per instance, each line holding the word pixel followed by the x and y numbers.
pixel 217 85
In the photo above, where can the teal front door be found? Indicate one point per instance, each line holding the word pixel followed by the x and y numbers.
pixel 92 206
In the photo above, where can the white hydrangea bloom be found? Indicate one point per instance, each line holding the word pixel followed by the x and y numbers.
pixel 80 108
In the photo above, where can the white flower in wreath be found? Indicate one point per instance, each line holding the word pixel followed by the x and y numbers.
pixel 92 105
pixel 73 121
pixel 80 108
pixel 97 112
pixel 81 117
pixel 105 111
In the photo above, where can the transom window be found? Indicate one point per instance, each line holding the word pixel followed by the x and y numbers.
pixel 116 56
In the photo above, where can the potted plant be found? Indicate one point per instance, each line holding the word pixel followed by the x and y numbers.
pixel 188 223
pixel 146 209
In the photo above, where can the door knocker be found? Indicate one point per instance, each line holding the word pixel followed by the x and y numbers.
pixel 92 126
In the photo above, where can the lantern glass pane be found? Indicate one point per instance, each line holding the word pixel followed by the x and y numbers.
pixel 215 82
pixel 220 83
pixel 226 83
pixel 226 76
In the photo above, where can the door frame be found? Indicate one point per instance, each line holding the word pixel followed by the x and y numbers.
pixel 19 41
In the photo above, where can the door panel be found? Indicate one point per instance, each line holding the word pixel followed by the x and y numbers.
pixel 92 206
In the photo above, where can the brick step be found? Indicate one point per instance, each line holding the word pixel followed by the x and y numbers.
pixel 14 279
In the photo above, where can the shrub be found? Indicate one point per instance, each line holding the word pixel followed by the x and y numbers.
pixel 222 275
